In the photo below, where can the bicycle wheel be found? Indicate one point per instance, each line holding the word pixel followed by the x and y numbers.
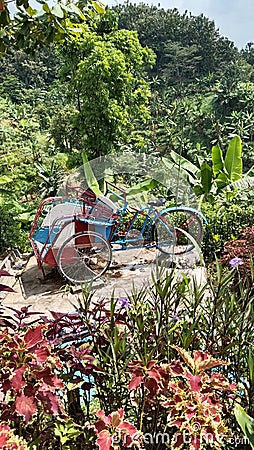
pixel 83 257
pixel 175 231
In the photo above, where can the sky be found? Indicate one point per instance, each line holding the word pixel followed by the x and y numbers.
pixel 233 18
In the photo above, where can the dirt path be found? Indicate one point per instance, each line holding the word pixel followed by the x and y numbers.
pixel 129 268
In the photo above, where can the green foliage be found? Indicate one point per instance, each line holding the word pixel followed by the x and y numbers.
pixel 242 248
pixel 186 46
pixel 33 29
pixel 225 221
pixel 246 423
pixel 206 113
pixel 51 178
pixel 67 432
pixel 133 359
pixel 13 233
pixel 108 87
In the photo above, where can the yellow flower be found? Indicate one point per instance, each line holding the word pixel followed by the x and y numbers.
pixel 216 238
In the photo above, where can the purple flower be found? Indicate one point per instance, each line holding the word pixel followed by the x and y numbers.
pixel 124 302
pixel 235 262
pixel 175 318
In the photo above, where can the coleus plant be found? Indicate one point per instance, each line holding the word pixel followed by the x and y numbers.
pixel 28 379
pixel 191 397
pixel 113 432
pixel 5 287
pixel 8 440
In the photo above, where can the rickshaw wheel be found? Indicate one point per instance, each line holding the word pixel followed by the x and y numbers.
pixel 183 227
pixel 84 257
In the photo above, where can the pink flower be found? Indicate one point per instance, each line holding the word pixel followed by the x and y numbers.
pixel 112 430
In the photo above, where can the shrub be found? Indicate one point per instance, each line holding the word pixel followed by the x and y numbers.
pixel 8 440
pixel 239 253
pixel 159 364
pixel 224 223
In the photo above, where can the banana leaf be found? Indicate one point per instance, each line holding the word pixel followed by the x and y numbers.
pixel 206 177
pixel 217 160
pixel 91 180
pixel 246 423
pixel 233 159
pixel 142 187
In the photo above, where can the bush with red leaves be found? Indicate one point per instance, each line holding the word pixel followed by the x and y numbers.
pixel 241 249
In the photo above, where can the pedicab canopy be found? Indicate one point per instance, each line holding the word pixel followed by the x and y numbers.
pixel 59 218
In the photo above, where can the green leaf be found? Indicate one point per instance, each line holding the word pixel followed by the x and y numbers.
pixel 4 17
pixel 5 179
pixel 46 8
pixel 246 423
pixel 217 160
pixel 73 8
pixel 144 186
pixel 206 177
pixel 182 162
pixel 222 180
pixel 233 159
pixel 90 177
pixel 32 12
pixel 57 11
pixel 98 6
pixel 250 360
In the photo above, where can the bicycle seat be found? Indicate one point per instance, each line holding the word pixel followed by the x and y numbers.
pixel 159 202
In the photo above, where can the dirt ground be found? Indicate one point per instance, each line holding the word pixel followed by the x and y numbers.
pixel 129 269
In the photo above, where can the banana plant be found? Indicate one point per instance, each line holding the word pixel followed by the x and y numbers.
pixel 219 175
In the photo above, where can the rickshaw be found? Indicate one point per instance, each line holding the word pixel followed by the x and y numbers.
pixel 78 234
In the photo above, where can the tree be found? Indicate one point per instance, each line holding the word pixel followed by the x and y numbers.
pixel 106 74
pixel 166 31
pixel 31 28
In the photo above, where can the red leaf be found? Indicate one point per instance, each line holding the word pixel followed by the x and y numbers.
pixel 153 373
pixel 104 441
pixel 195 381
pixel 42 354
pixel 151 364
pixel 102 416
pixel 33 336
pixel 153 387
pixel 204 361
pixel 177 441
pixel 4 273
pixel 128 427
pixel 99 426
pixel 3 438
pixel 49 400
pixel 5 288
pixel 195 443
pixel 26 407
pixel 186 356
pixel 191 412
pixel 177 423
pixel 176 368
pixel 135 381
pixel 49 378
pixel 17 381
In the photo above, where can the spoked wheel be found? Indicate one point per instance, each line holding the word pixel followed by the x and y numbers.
pixel 178 231
pixel 84 257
